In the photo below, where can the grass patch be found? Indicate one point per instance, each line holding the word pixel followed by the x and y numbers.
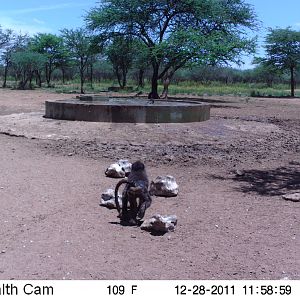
pixel 184 88
pixel 238 89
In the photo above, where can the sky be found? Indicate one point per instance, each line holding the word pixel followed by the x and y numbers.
pixel 276 13
pixel 33 16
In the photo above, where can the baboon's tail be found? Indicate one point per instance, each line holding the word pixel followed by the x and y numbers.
pixel 122 181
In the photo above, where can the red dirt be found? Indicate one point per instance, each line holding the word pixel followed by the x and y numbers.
pixel 229 227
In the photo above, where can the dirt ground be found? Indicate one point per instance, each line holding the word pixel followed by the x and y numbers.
pixel 229 226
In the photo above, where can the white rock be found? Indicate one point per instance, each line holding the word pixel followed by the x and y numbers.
pixel 164 186
pixel 115 171
pixel 239 172
pixel 108 199
pixel 160 223
pixel 125 165
pixel 292 197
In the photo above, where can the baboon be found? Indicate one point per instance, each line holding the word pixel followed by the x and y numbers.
pixel 136 188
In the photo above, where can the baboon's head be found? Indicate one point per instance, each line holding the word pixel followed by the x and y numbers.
pixel 138 166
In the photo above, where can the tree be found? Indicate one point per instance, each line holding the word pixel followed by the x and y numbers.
pixel 80 46
pixel 141 61
pixel 52 47
pixel 177 32
pixel 283 51
pixel 17 42
pixel 265 72
pixel 5 44
pixel 5 36
pixel 120 53
pixel 64 60
pixel 26 64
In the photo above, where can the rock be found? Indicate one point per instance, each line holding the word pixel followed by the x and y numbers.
pixel 115 171
pixel 169 157
pixel 164 186
pixel 125 165
pixel 239 173
pixel 119 170
pixel 292 197
pixel 160 223
pixel 108 199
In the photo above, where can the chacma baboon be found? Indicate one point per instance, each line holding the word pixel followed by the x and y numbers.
pixel 136 187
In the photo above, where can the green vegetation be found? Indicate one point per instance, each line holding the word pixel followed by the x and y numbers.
pixel 177 33
pixel 176 47
pixel 237 89
pixel 283 52
pixel 187 88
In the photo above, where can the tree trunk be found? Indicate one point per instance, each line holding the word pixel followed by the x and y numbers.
pixel 23 81
pixel 63 75
pixel 47 71
pixel 5 76
pixel 124 83
pixel 81 81
pixel 38 79
pixel 154 83
pixel 292 82
pixel 141 78
pixel 91 75
pixel 81 75
pixel 118 76
pixel 30 81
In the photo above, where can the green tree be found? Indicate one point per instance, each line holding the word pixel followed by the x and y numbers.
pixel 51 46
pixel 17 42
pixel 141 61
pixel 64 60
pixel 283 52
pixel 120 54
pixel 265 71
pixel 177 32
pixel 81 48
pixel 5 36
pixel 6 39
pixel 26 64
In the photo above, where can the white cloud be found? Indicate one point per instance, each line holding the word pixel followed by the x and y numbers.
pixel 41 8
pixel 28 20
pixel 297 24
pixel 19 26
pixel 37 21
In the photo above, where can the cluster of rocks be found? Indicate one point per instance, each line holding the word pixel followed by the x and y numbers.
pixel 162 186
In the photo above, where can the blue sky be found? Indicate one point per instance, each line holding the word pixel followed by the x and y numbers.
pixel 273 13
pixel 276 13
pixel 34 16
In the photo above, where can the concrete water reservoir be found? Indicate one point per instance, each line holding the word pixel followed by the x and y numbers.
pixel 127 110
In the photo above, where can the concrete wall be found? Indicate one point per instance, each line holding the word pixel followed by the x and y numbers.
pixel 79 111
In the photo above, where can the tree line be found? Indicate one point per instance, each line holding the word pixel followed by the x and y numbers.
pixel 161 40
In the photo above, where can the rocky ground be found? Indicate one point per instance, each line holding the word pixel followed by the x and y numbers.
pixel 229 226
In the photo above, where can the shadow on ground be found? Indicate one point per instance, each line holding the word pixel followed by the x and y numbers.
pixel 273 182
